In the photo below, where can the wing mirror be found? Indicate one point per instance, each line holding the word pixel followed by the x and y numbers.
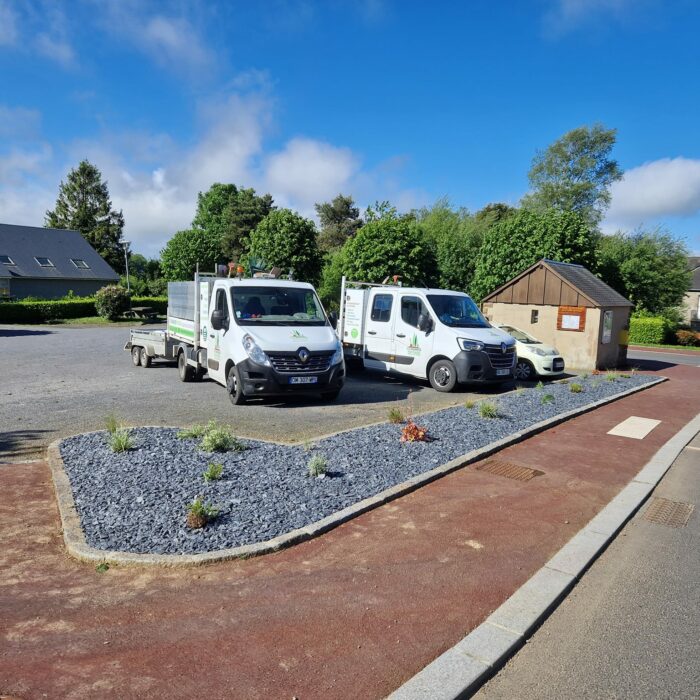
pixel 425 323
pixel 333 319
pixel 218 320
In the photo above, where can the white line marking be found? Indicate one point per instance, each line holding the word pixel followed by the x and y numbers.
pixel 634 427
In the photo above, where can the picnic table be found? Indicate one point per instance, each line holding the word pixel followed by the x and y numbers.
pixel 147 312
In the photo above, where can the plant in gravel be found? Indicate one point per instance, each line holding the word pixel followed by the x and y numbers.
pixel 194 431
pixel 547 398
pixel 200 513
pixel 539 386
pixel 563 381
pixel 112 423
pixel 120 440
pixel 102 568
pixel 624 376
pixel 583 376
pixel 488 409
pixel 610 376
pixel 219 438
pixel 469 403
pixel 317 466
pixel 519 391
pixel 595 383
pixel 414 433
pixel 575 388
pixel 213 472
pixel 308 444
pixel 396 415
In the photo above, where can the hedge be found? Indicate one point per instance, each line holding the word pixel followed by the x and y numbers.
pixel 648 330
pixel 51 310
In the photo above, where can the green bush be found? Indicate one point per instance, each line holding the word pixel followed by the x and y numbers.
pixel 111 301
pixel 687 338
pixel 44 311
pixel 648 330
pixel 159 304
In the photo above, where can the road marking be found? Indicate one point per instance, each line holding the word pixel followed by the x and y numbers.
pixel 634 427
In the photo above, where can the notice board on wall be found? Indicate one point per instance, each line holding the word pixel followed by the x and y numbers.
pixel 571 318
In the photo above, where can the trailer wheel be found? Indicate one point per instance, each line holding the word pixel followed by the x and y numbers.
pixel 233 386
pixel 136 355
pixel 184 370
pixel 145 359
pixel 442 375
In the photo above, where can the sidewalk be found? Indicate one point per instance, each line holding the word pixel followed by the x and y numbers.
pixel 353 613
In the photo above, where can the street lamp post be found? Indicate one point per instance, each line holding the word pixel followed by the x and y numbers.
pixel 125 244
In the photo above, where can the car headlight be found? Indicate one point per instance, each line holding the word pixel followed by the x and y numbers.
pixel 337 355
pixel 468 344
pixel 540 352
pixel 255 352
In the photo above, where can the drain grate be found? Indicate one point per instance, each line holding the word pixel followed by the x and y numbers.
pixel 670 513
pixel 508 470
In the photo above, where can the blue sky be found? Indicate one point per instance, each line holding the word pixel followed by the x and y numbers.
pixel 381 99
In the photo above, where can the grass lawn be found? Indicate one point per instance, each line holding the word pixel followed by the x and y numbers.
pixel 99 321
pixel 689 348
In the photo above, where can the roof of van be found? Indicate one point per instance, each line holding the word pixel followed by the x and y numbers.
pixel 262 282
pixel 424 290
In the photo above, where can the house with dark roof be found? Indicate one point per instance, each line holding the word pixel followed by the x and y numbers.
pixel 566 306
pixel 48 263
pixel 691 301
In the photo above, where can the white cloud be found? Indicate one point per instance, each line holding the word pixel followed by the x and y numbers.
pixel 19 123
pixel 8 24
pixel 56 49
pixel 655 190
pixel 565 16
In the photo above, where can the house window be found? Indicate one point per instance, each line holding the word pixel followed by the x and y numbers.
pixel 44 262
pixel 80 264
pixel 534 316
pixel 6 260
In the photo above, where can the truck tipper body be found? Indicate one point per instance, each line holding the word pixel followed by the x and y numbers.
pixel 257 337
pixel 433 334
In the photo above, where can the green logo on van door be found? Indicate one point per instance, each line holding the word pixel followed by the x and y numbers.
pixel 298 334
pixel 413 347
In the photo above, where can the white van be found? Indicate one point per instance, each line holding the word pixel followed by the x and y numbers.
pixel 428 333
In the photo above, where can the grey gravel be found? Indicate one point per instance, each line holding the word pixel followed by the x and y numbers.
pixel 136 501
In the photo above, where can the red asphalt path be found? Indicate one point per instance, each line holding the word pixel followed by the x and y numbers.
pixel 351 614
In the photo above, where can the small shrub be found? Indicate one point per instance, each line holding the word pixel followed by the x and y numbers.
pixel 595 383
pixel 120 440
pixel 308 444
pixel 111 301
pixel 219 438
pixel 396 415
pixel 195 431
pixel 687 338
pixel 317 466
pixel 488 409
pixel 213 472
pixel 469 403
pixel 102 568
pixel 539 386
pixel 610 376
pixel 414 433
pixel 200 513
pixel 583 375
pixel 648 330
pixel 575 388
pixel 112 423
pixel 596 372
pixel 624 376
pixel 546 398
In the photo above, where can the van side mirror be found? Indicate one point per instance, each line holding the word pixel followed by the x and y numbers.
pixel 333 319
pixel 425 323
pixel 218 320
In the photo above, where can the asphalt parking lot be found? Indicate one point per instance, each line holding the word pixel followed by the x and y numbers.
pixel 58 381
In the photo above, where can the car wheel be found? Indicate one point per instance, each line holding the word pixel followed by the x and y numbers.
pixel 524 370
pixel 233 386
pixel 443 376
pixel 136 355
pixel 184 370
pixel 145 359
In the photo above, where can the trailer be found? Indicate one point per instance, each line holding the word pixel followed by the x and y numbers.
pixel 260 336
pixel 434 334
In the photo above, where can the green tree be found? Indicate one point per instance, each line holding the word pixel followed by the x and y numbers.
pixel 331 279
pixel 650 268
pixel 518 241
pixel 182 253
pixel 340 220
pixel 286 240
pixel 231 213
pixel 575 173
pixel 493 213
pixel 84 205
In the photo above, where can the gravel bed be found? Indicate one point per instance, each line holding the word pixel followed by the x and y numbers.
pixel 136 501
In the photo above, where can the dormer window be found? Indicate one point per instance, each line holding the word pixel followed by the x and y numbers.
pixel 7 260
pixel 80 264
pixel 44 262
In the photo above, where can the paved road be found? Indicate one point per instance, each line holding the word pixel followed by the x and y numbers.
pixel 630 629
pixel 654 360
pixel 60 381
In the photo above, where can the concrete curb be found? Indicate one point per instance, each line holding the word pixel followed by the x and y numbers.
pixel 78 547
pixel 461 670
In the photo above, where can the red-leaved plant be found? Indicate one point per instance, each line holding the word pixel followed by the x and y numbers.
pixel 413 433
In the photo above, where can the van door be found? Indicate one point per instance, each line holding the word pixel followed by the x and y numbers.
pixel 379 340
pixel 216 359
pixel 413 348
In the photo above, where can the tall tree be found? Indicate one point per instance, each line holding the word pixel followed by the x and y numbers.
pixel 520 240
pixel 231 213
pixel 185 250
pixel 84 205
pixel 575 173
pixel 650 268
pixel 340 220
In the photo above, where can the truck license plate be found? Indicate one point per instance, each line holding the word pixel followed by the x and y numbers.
pixel 303 380
pixel 502 372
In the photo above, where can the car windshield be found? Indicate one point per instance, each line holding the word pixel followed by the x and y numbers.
pixel 276 306
pixel 520 336
pixel 457 311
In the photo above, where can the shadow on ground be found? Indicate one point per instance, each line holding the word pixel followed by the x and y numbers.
pixel 20 443
pixel 10 332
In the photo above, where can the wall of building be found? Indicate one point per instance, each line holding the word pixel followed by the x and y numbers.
pixel 52 288
pixel 614 353
pixel 690 307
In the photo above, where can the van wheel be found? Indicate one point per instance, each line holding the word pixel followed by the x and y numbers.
pixel 524 370
pixel 136 355
pixel 233 386
pixel 184 370
pixel 442 375
pixel 145 359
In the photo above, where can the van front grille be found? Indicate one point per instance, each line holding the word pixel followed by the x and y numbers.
pixel 498 358
pixel 289 362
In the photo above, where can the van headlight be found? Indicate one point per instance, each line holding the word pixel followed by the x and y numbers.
pixel 468 344
pixel 254 351
pixel 337 355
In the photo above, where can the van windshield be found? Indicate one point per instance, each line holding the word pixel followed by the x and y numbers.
pixel 276 306
pixel 457 311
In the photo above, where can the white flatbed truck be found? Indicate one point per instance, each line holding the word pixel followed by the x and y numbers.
pixel 256 337
pixel 433 334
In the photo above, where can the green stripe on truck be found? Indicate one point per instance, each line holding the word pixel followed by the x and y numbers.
pixel 181 331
